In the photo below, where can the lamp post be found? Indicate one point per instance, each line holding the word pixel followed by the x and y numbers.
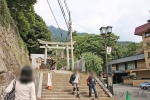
pixel 105 32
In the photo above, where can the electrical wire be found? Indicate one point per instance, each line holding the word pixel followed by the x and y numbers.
pixel 66 6
pixel 55 19
pixel 83 27
pixel 63 12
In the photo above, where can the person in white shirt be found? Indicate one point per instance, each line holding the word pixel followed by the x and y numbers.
pixel 25 87
pixel 75 80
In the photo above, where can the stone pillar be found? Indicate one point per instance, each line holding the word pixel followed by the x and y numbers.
pixel 62 54
pixel 45 55
pixel 68 58
pixel 56 53
pixel 83 65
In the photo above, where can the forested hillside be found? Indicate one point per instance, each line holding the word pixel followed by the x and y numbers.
pixel 62 35
pixel 30 25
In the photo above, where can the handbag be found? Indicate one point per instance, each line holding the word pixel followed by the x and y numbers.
pixel 11 94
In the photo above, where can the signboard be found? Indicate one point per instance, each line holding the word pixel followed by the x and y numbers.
pixel 108 50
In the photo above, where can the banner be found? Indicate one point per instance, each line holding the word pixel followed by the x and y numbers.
pixel 108 50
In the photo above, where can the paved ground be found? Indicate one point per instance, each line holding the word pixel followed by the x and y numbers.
pixel 135 93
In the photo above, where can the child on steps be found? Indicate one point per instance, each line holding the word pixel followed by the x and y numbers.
pixel 75 81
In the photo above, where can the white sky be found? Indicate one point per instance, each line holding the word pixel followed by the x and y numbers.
pixel 123 15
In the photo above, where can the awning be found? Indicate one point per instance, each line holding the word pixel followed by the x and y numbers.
pixel 125 77
pixel 119 72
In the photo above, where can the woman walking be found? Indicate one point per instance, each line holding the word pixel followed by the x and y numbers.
pixel 24 86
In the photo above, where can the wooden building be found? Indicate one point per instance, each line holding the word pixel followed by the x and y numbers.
pixel 135 69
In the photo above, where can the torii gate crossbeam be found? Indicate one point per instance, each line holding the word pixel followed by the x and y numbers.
pixel 67 47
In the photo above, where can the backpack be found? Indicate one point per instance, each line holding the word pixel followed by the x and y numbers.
pixel 11 94
pixel 87 81
pixel 72 78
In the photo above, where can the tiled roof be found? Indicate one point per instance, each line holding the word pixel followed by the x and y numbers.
pixel 128 59
pixel 140 29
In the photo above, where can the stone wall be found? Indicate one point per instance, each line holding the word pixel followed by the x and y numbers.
pixel 13 51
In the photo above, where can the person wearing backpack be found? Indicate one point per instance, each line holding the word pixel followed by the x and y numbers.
pixel 91 82
pixel 75 81
pixel 22 88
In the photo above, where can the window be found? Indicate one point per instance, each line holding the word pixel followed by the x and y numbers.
pixel 121 67
pixel 147 34
pixel 131 65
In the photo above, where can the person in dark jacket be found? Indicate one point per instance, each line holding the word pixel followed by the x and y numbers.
pixel 92 85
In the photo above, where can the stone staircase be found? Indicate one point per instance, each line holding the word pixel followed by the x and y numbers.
pixel 62 89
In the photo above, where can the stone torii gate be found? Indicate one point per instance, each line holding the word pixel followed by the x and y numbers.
pixel 46 46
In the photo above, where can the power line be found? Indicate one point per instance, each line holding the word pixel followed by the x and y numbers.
pixel 74 21
pixel 66 6
pixel 55 19
pixel 63 12
pixel 83 28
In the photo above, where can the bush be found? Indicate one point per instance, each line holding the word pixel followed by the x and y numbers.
pixel 92 62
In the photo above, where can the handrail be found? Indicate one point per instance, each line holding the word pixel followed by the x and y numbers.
pixel 105 89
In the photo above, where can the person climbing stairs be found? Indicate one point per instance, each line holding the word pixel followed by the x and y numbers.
pixel 62 90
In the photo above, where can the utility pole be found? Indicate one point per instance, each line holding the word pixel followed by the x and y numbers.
pixel 71 40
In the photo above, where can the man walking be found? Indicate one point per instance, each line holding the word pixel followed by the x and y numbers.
pixel 75 81
pixel 91 83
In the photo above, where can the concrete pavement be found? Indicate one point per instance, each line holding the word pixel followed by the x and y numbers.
pixel 135 92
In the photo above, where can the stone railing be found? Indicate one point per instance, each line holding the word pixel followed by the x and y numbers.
pixel 36 80
pixel 80 64
pixel 104 88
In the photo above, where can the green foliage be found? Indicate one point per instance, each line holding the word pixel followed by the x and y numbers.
pixel 124 50
pixel 93 44
pixel 61 63
pixel 92 62
pixel 31 26
pixel 37 31
pixel 5 18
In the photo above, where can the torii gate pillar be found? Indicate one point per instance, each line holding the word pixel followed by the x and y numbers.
pixel 45 55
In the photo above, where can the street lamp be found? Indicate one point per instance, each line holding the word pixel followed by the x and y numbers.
pixel 104 31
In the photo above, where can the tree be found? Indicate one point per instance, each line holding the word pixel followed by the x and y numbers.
pixel 31 26
pixel 132 48
pixel 37 31
pixel 92 62
pixel 61 63
pixel 93 44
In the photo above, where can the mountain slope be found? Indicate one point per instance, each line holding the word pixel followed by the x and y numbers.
pixel 57 35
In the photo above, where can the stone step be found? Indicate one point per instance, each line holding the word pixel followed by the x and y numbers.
pixel 62 89
pixel 69 90
pixel 71 96
pixel 69 87
pixel 64 76
pixel 64 84
pixel 65 79
pixel 68 93
pixel 100 98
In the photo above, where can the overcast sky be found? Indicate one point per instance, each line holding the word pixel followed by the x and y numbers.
pixel 123 15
